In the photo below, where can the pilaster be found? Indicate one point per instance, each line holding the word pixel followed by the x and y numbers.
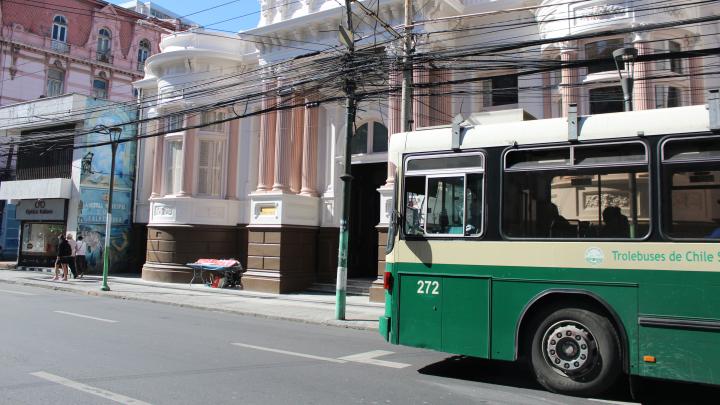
pixel 266 149
pixel 642 87
pixel 569 90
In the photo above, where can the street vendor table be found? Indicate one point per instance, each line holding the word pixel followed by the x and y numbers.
pixel 206 269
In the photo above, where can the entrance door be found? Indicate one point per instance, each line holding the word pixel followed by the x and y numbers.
pixel 364 216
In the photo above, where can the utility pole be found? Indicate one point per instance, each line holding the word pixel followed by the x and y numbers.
pixel 348 38
pixel 407 83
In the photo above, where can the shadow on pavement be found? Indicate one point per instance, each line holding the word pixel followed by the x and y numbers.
pixel 519 375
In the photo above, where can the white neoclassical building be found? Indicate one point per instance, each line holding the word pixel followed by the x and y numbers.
pixel 266 189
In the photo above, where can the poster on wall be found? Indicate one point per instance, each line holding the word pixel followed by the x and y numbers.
pixel 95 184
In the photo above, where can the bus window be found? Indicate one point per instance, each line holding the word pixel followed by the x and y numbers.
pixel 414 205
pixel 443 195
pixel 691 202
pixel 473 205
pixel 607 199
pixel 445 205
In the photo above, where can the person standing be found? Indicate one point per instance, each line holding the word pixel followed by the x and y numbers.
pixel 64 255
pixel 80 262
pixel 71 263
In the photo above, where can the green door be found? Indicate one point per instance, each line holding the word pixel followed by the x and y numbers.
pixel 420 317
pixel 466 315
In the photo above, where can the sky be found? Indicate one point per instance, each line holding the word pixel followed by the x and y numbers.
pixel 243 14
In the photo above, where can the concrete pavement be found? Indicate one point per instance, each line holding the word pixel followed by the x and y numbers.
pixel 302 307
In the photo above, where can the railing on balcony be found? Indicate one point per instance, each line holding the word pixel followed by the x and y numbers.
pixel 46 159
pixel 59 46
pixel 141 66
pixel 104 56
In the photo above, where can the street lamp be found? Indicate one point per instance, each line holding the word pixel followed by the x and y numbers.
pixel 114 133
pixel 625 62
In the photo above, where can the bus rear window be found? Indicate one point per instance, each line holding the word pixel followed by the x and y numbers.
pixel 443 200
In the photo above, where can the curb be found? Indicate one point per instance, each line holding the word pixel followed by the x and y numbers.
pixel 110 294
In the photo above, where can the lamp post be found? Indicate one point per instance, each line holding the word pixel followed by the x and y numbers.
pixel 114 133
pixel 625 62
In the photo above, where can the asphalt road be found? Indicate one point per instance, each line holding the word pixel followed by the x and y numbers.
pixel 63 348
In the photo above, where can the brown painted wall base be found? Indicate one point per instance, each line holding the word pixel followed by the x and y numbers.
pixel 170 247
pixel 281 259
pixel 377 290
pixel 327 254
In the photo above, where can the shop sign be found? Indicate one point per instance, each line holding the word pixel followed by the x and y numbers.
pixel 51 209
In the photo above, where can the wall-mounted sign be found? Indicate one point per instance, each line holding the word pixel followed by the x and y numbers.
pixel 51 209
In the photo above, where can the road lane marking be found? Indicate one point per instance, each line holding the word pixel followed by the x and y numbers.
pixel 16 292
pixel 371 358
pixel 365 358
pixel 89 389
pixel 307 356
pixel 86 316
pixel 613 402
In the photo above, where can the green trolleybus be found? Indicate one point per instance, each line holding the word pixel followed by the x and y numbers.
pixel 590 250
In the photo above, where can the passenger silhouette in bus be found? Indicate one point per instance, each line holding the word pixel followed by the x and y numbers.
pixel 558 226
pixel 616 224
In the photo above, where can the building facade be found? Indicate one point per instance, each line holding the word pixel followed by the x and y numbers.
pixel 82 47
pixel 284 169
pixel 61 182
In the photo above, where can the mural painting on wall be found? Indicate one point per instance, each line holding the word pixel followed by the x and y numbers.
pixel 95 183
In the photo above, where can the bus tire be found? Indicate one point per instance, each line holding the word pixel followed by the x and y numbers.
pixel 575 352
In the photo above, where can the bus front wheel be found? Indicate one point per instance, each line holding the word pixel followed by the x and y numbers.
pixel 575 351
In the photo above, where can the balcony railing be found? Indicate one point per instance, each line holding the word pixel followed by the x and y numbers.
pixel 141 66
pixel 59 46
pixel 104 56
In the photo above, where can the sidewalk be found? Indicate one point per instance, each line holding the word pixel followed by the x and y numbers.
pixel 301 307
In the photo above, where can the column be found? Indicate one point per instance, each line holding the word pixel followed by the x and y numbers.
pixel 697 86
pixel 642 87
pixel 298 134
pixel 394 118
pixel 310 146
pixel 159 142
pixel 233 161
pixel 441 113
pixel 283 147
pixel 547 98
pixel 189 154
pixel 421 99
pixel 266 149
pixel 569 91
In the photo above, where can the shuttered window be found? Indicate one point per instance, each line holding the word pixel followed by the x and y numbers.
pixel 210 163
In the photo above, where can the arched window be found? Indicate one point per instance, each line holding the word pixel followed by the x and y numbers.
pixel 55 82
pixel 103 45
pixel 59 30
pixel 100 86
pixel 143 53
pixel 370 138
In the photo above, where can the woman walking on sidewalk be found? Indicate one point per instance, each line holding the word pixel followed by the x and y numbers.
pixel 64 255
pixel 71 264
pixel 79 251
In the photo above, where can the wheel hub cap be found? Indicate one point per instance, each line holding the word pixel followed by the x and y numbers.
pixel 567 347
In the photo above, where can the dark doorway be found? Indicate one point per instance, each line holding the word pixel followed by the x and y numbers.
pixel 364 216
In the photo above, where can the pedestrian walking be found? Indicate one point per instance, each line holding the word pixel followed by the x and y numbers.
pixel 64 256
pixel 71 263
pixel 80 262
pixel 57 268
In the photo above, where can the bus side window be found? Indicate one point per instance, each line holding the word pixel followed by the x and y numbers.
pixel 414 205
pixel 474 205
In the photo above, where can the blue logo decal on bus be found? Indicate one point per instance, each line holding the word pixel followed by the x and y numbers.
pixel 594 255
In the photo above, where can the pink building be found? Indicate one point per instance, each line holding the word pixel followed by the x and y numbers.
pixel 73 46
